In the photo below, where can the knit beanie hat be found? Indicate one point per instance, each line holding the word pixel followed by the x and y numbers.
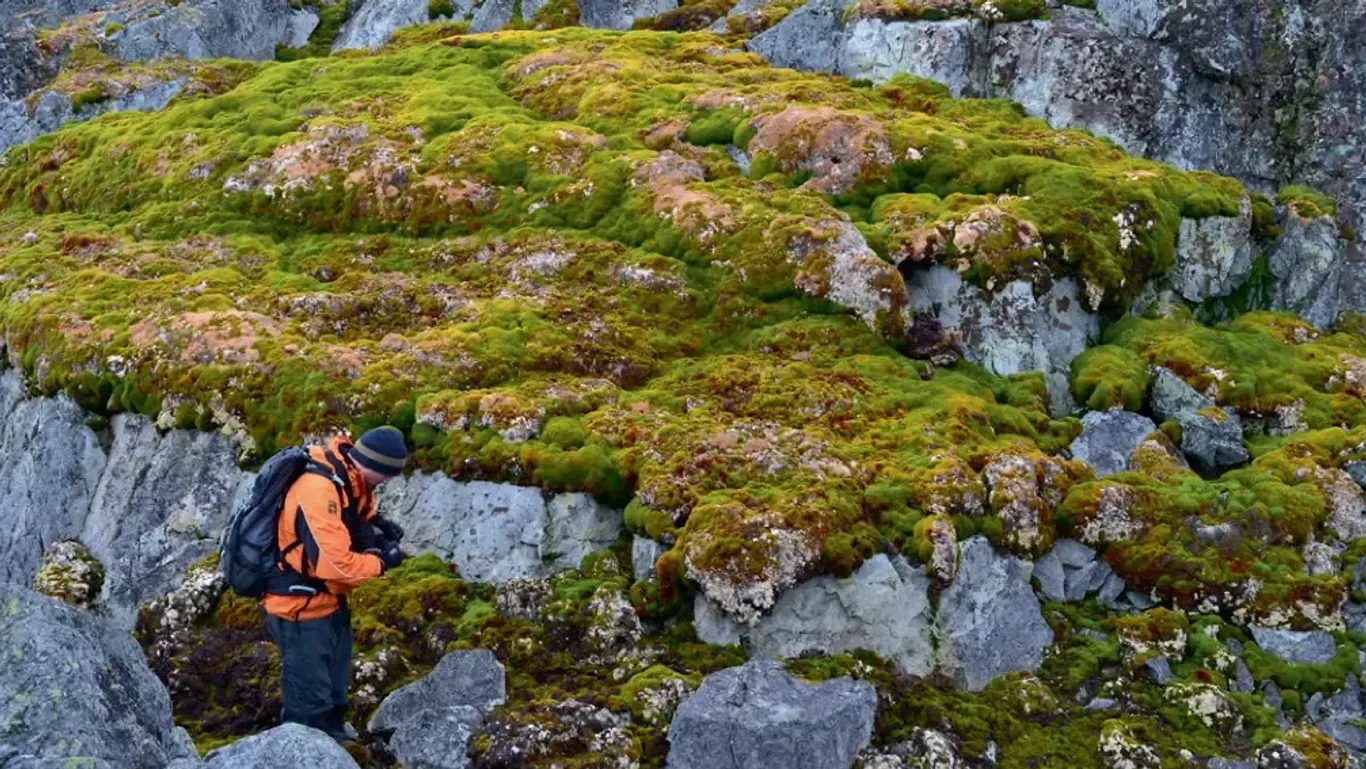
pixel 381 450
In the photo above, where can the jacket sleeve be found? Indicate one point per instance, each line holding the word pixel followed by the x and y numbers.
pixel 320 505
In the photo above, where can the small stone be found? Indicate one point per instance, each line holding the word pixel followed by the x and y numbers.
pixel 1112 589
pixel 1048 570
pixel 1242 678
pixel 1079 581
pixel 1102 703
pixel 1357 470
pixel 1073 553
pixel 1160 670
pixel 1315 646
pixel 644 553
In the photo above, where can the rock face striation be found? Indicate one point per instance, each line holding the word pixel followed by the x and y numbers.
pixel 151 504
pixel 496 532
pixel 1167 80
pixel 757 715
pixel 884 607
pixel 75 691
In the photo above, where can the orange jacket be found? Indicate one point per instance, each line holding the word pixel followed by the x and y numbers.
pixel 320 504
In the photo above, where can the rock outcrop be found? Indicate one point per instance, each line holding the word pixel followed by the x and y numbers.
pixel 1307 262
pixel 496 532
pixel 989 600
pixel 24 119
pixel 75 689
pixel 1312 646
pixel 1213 255
pixel 285 745
pixel 429 722
pixel 757 716
pixel 1011 331
pixel 883 607
pixel 208 29
pixel 1071 571
pixel 1108 439
pixel 1212 437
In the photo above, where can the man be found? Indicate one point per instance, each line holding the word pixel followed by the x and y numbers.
pixel 331 542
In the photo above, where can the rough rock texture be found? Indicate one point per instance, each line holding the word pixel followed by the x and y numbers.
pixel 989 600
pixel 620 14
pixel 159 507
pixel 46 13
pixel 436 738
pixel 1011 331
pixel 24 65
pixel 883 607
pixel 1210 436
pixel 210 29
pixel 495 14
pixel 20 123
pixel 371 24
pixel 68 672
pixel 644 553
pixel 70 573
pixel 286 745
pixel 496 532
pixel 1108 439
pixel 1213 256
pixel 1265 91
pixel 1307 264
pixel 1315 646
pixel 53 464
pixel 462 678
pixel 757 716
pixel 1071 571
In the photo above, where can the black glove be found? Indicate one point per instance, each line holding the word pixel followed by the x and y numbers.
pixel 391 531
pixel 391 556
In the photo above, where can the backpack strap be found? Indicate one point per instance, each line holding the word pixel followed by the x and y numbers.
pixel 285 580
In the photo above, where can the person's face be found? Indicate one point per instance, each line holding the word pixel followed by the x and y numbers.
pixel 373 479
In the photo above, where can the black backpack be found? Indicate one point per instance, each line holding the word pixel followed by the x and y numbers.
pixel 249 552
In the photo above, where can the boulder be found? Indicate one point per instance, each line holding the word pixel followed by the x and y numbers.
pixel 757 716
pixel 291 745
pixel 496 532
pixel 493 15
pixel 884 607
pixel 436 738
pixel 53 463
pixel 1109 438
pixel 620 14
pixel 1011 331
pixel 371 22
pixel 1212 437
pixel 1307 262
pixel 989 600
pixel 955 52
pixel 1213 255
pixel 644 553
pixel 75 690
pixel 472 678
pixel 209 29
pixel 160 506
pixel 806 39
pixel 21 123
pixel 1294 646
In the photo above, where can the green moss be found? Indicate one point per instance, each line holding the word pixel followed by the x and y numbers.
pixel 439 8
pixel 1108 376
pixel 1306 202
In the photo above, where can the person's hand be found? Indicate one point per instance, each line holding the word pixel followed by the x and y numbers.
pixel 391 531
pixel 391 556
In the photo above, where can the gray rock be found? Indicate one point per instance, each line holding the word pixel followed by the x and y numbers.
pixel 757 716
pixel 53 464
pixel 1316 646
pixel 714 626
pixel 73 687
pixel 159 507
pixel 806 39
pixel 1052 578
pixel 1011 331
pixel 954 52
pixel 989 600
pixel 883 607
pixel 1354 614
pixel 462 679
pixel 1108 439
pixel 644 553
pixel 48 13
pixel 1113 588
pixel 436 738
pixel 52 109
pixel 210 29
pixel 497 532
pixel 1242 678
pixel 620 14
pixel 25 66
pixel 1271 697
pixel 1211 443
pixel 1160 670
pixel 290 745
pixel 1358 472
pixel 495 14
pixel 1073 554
pixel 1307 262
pixel 370 25
pixel 1229 763
pixel 1101 703
pixel 1213 256
pixel 1079 581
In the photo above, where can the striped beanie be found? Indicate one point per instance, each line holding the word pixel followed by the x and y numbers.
pixel 381 450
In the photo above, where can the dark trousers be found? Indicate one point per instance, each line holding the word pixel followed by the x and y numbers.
pixel 315 669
